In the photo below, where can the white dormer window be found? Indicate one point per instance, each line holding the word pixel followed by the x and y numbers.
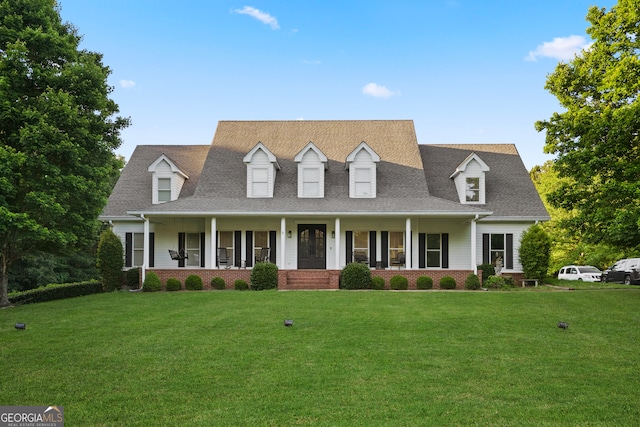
pixel 469 179
pixel 261 171
pixel 361 164
pixel 311 166
pixel 167 180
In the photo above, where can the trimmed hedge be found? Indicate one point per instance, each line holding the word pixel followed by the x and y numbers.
pixel 240 285
pixel 193 283
pixel 472 282
pixel 447 282
pixel 151 282
pixel 173 284
pixel 399 283
pixel 132 278
pixel 377 283
pixel 264 275
pixel 218 283
pixel 424 282
pixel 355 275
pixel 56 292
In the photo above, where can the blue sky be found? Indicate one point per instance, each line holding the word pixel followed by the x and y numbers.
pixel 465 71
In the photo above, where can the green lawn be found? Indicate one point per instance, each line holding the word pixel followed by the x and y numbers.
pixel 351 358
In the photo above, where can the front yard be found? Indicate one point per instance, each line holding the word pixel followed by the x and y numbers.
pixel 351 358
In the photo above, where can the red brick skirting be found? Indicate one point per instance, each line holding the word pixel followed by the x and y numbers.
pixel 314 279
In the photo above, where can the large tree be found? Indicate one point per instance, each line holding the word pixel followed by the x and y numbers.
pixel 596 139
pixel 58 134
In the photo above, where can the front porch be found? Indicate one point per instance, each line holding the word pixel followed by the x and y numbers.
pixel 311 279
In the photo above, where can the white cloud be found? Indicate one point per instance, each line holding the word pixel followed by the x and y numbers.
pixel 311 62
pixel 127 84
pixel 378 91
pixel 263 17
pixel 562 48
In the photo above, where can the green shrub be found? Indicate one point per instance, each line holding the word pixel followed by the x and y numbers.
pixel 424 282
pixel 472 282
pixel 218 283
pixel 535 252
pixel 151 282
pixel 173 284
pixel 399 283
pixel 355 275
pixel 240 285
pixel 487 270
pixel 110 260
pixel 193 283
pixel 508 280
pixel 264 275
pixel 448 282
pixel 495 282
pixel 56 292
pixel 132 278
pixel 377 283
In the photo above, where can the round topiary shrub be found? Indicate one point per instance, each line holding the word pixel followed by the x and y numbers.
pixel 218 283
pixel 424 282
pixel 355 275
pixel 377 283
pixel 151 282
pixel 193 283
pixel 472 282
pixel 399 283
pixel 173 284
pixel 264 275
pixel 447 282
pixel 240 285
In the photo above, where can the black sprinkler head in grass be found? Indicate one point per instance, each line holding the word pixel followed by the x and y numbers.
pixel 21 326
pixel 563 325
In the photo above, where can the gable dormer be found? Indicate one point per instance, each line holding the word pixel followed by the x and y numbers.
pixel 311 166
pixel 261 171
pixel 361 164
pixel 469 178
pixel 167 180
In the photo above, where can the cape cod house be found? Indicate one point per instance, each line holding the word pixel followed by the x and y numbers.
pixel 312 196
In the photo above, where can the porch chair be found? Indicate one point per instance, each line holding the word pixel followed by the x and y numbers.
pixel 360 256
pixel 177 256
pixel 264 256
pixel 399 260
pixel 224 260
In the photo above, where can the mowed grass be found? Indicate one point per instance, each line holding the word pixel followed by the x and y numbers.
pixel 224 358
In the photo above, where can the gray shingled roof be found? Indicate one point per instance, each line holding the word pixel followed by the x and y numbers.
pixel 411 178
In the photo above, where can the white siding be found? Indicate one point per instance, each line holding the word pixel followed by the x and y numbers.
pixel 362 171
pixel 259 169
pixel 311 176
pixel 515 228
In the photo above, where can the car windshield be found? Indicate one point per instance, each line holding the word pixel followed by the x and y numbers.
pixel 589 270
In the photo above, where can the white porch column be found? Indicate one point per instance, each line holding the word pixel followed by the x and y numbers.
pixel 336 244
pixel 283 241
pixel 474 260
pixel 145 249
pixel 214 249
pixel 407 250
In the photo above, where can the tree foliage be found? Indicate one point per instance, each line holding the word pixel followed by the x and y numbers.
pixel 535 250
pixel 596 139
pixel 58 134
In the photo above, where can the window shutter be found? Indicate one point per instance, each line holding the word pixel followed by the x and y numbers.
pixel 508 253
pixel 249 249
pixel 372 249
pixel 272 246
pixel 485 249
pixel 128 249
pixel 349 247
pixel 237 256
pixel 152 252
pixel 384 242
pixel 202 249
pixel 445 250
pixel 422 250
pixel 181 238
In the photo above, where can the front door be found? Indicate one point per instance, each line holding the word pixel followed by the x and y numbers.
pixel 311 246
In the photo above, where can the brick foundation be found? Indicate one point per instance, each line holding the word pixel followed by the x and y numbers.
pixel 316 279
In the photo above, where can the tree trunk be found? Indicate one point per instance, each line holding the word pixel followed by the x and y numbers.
pixel 4 278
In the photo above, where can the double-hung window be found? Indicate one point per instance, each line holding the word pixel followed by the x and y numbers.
pixel 164 190
pixel 192 249
pixel 138 249
pixel 360 246
pixel 434 250
pixel 472 191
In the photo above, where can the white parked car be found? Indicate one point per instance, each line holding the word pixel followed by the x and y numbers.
pixel 585 273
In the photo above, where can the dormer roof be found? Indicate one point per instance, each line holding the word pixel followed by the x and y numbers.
pixel 164 158
pixel 270 155
pixel 463 166
pixel 362 146
pixel 311 146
